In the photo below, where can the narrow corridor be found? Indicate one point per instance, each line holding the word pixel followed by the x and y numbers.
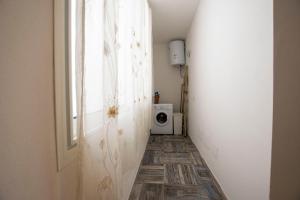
pixel 173 169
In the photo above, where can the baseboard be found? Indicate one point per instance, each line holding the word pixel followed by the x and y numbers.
pixel 216 183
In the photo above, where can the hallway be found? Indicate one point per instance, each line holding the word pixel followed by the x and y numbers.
pixel 172 168
pixel 84 82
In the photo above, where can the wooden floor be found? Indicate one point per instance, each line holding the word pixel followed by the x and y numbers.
pixel 172 169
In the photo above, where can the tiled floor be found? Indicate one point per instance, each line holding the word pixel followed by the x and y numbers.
pixel 172 169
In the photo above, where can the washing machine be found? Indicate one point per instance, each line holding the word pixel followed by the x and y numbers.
pixel 162 121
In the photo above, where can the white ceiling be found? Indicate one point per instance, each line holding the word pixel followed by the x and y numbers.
pixel 172 18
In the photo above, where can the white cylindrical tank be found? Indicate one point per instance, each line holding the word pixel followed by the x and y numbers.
pixel 177 55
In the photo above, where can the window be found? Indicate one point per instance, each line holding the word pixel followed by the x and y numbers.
pixel 72 65
pixel 66 65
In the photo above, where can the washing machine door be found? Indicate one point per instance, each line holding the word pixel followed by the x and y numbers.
pixel 161 118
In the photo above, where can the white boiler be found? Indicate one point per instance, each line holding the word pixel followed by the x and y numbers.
pixel 177 53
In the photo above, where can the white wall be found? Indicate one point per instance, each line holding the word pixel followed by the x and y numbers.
pixel 285 179
pixel 230 108
pixel 167 78
pixel 27 129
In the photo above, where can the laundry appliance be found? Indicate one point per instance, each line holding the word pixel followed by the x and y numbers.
pixel 162 121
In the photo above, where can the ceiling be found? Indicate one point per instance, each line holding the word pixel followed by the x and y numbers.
pixel 172 18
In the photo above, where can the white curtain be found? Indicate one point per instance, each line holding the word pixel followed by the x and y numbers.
pixel 116 97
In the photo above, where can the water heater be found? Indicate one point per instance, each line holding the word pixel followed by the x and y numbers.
pixel 177 55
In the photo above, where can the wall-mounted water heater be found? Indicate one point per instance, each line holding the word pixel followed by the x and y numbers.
pixel 177 53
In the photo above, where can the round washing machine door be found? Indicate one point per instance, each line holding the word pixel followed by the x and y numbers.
pixel 161 118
